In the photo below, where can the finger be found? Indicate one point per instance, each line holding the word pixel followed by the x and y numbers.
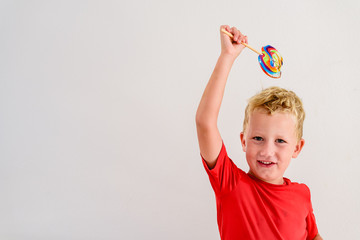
pixel 236 34
pixel 225 27
pixel 246 40
pixel 228 28
pixel 241 38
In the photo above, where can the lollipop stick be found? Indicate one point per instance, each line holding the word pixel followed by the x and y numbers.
pixel 246 45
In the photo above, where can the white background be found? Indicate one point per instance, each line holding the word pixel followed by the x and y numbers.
pixel 98 102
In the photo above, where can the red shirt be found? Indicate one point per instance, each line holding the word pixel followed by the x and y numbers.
pixel 248 208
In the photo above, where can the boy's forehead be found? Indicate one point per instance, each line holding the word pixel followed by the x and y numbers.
pixel 264 113
pixel 281 122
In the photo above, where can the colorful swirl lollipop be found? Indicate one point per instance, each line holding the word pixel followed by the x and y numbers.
pixel 271 61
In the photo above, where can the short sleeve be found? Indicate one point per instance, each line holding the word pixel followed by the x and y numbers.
pixel 225 175
pixel 311 226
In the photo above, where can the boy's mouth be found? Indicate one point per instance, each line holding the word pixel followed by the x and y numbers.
pixel 265 163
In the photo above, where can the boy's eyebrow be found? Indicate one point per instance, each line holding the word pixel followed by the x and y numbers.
pixel 255 133
pixel 259 132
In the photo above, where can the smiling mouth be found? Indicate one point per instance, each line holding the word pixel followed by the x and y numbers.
pixel 265 163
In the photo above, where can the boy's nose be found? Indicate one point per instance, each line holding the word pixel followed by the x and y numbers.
pixel 268 150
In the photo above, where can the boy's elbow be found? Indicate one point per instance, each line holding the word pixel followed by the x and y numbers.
pixel 199 119
pixel 318 237
pixel 205 120
pixel 204 123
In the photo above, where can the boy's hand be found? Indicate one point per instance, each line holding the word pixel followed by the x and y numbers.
pixel 232 47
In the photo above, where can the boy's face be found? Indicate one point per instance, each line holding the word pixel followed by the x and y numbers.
pixel 270 142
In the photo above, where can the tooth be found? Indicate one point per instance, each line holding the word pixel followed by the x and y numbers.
pixel 267 163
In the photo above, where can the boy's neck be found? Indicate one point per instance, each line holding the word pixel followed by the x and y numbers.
pixel 278 182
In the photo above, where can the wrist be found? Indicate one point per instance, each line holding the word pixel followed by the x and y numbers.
pixel 227 57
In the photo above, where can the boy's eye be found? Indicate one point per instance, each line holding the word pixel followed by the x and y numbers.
pixel 258 138
pixel 280 141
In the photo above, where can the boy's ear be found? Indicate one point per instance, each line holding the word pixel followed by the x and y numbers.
pixel 243 142
pixel 298 148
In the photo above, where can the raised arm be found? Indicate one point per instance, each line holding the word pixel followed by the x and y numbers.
pixel 209 137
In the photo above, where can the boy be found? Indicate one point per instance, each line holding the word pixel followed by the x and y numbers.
pixel 261 204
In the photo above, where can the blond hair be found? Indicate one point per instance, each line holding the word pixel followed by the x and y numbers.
pixel 275 100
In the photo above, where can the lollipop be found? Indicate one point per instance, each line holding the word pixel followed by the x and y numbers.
pixel 270 59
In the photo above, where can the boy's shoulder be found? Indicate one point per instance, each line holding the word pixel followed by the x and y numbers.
pixel 299 188
pixel 299 185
